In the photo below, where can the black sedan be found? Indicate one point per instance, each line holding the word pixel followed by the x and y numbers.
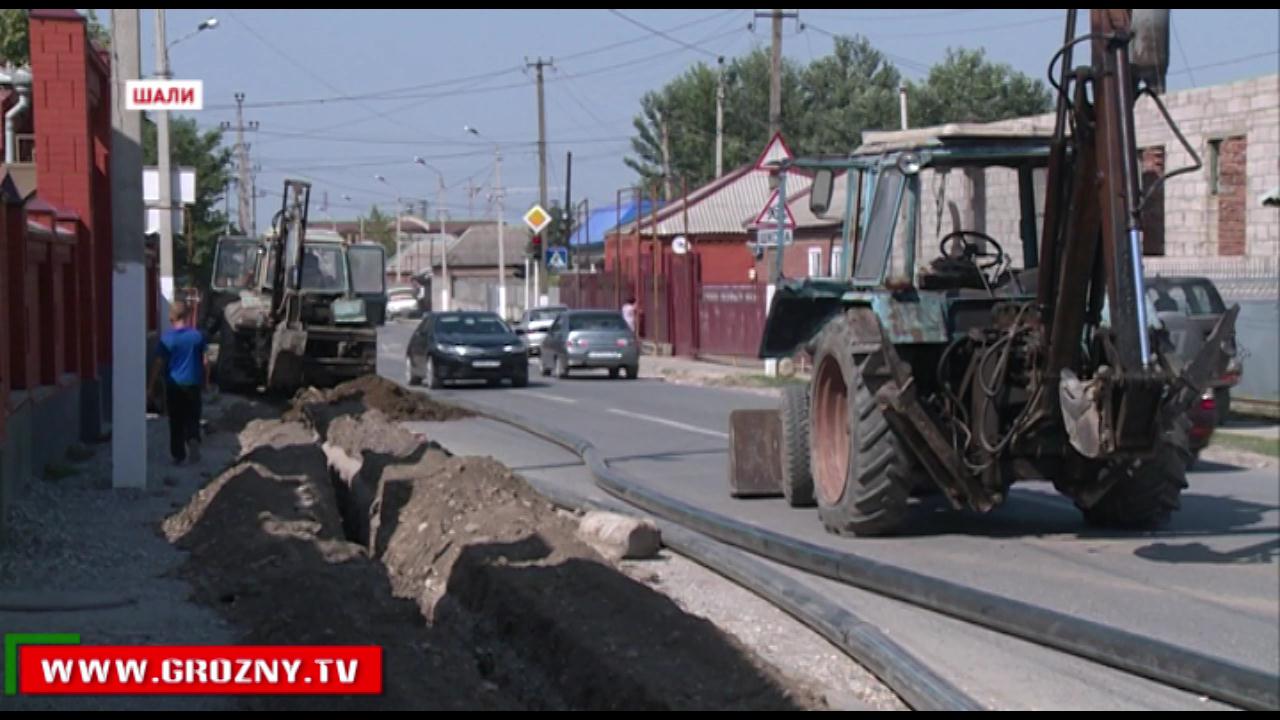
pixel 466 346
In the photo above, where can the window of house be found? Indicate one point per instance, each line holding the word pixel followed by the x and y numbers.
pixel 815 262
pixel 1215 167
pixel 837 261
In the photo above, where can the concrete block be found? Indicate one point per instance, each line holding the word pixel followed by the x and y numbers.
pixel 619 536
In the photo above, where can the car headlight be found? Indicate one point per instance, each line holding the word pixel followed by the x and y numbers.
pixel 452 349
pixel 513 348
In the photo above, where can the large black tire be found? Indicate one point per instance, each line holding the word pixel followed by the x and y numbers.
pixel 1149 490
pixel 797 481
pixel 410 376
pixel 520 379
pixel 861 477
pixel 631 372
pixel 434 381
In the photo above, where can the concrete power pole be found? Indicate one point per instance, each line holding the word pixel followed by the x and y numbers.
pixel 538 65
pixel 665 128
pixel 246 187
pixel 164 178
pixel 720 117
pixel 129 299
pixel 775 68
pixel 502 252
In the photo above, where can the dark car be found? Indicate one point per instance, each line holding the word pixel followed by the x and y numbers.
pixel 466 346
pixel 587 339
pixel 1189 308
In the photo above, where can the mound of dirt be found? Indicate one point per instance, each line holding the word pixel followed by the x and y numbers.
pixel 373 392
pixel 267 550
pixel 549 620
pixel 345 529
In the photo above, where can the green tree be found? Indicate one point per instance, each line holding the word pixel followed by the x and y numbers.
pixel 686 106
pixel 380 228
pixel 967 87
pixel 827 105
pixel 14 46
pixel 842 94
pixel 188 147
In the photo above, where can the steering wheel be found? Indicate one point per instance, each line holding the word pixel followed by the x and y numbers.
pixel 956 246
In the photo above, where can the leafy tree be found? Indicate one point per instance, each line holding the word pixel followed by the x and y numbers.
pixel 188 147
pixel 966 87
pixel 827 105
pixel 381 228
pixel 14 46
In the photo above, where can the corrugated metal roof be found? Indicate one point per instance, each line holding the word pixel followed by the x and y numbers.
pixel 729 204
pixel 478 246
pixel 424 253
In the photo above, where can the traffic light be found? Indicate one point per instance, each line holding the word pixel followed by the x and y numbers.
pixel 535 246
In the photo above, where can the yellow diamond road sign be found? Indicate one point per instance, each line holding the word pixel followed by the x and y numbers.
pixel 537 219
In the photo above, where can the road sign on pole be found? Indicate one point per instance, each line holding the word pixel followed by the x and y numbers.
pixel 558 258
pixel 537 219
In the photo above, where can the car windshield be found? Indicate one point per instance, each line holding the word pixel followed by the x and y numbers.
pixel 544 314
pixel 598 321
pixel 470 325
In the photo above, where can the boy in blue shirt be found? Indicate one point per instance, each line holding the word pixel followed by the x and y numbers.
pixel 180 356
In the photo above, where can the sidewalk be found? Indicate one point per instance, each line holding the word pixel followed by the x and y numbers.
pixel 749 374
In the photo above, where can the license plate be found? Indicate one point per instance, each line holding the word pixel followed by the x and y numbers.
pixel 604 355
pixel 486 364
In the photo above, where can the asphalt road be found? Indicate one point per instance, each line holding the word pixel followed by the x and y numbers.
pixel 1210 581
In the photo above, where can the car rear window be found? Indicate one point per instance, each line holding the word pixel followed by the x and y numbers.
pixel 1189 298
pixel 470 325
pixel 598 321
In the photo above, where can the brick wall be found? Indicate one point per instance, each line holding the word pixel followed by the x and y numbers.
pixel 1248 110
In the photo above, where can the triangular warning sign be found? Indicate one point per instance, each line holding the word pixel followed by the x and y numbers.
pixel 767 218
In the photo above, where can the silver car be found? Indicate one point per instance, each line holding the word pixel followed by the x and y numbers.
pixel 533 326
pixel 588 339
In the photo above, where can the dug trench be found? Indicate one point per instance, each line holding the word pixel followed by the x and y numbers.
pixel 336 526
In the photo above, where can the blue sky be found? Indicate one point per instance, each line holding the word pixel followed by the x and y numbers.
pixel 456 68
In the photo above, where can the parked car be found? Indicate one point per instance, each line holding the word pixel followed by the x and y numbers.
pixel 534 325
pixel 587 339
pixel 465 346
pixel 402 302
pixel 1189 307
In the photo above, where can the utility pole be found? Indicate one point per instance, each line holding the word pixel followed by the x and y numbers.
pixel 775 68
pixel 568 216
pixel 902 104
pixel 246 186
pixel 720 117
pixel 164 178
pixel 129 299
pixel 471 198
pixel 538 65
pixel 502 252
pixel 253 217
pixel 665 129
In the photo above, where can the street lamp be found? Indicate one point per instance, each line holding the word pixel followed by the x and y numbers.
pixel 164 181
pixel 497 191
pixel 444 256
pixel 399 214
pixel 208 24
